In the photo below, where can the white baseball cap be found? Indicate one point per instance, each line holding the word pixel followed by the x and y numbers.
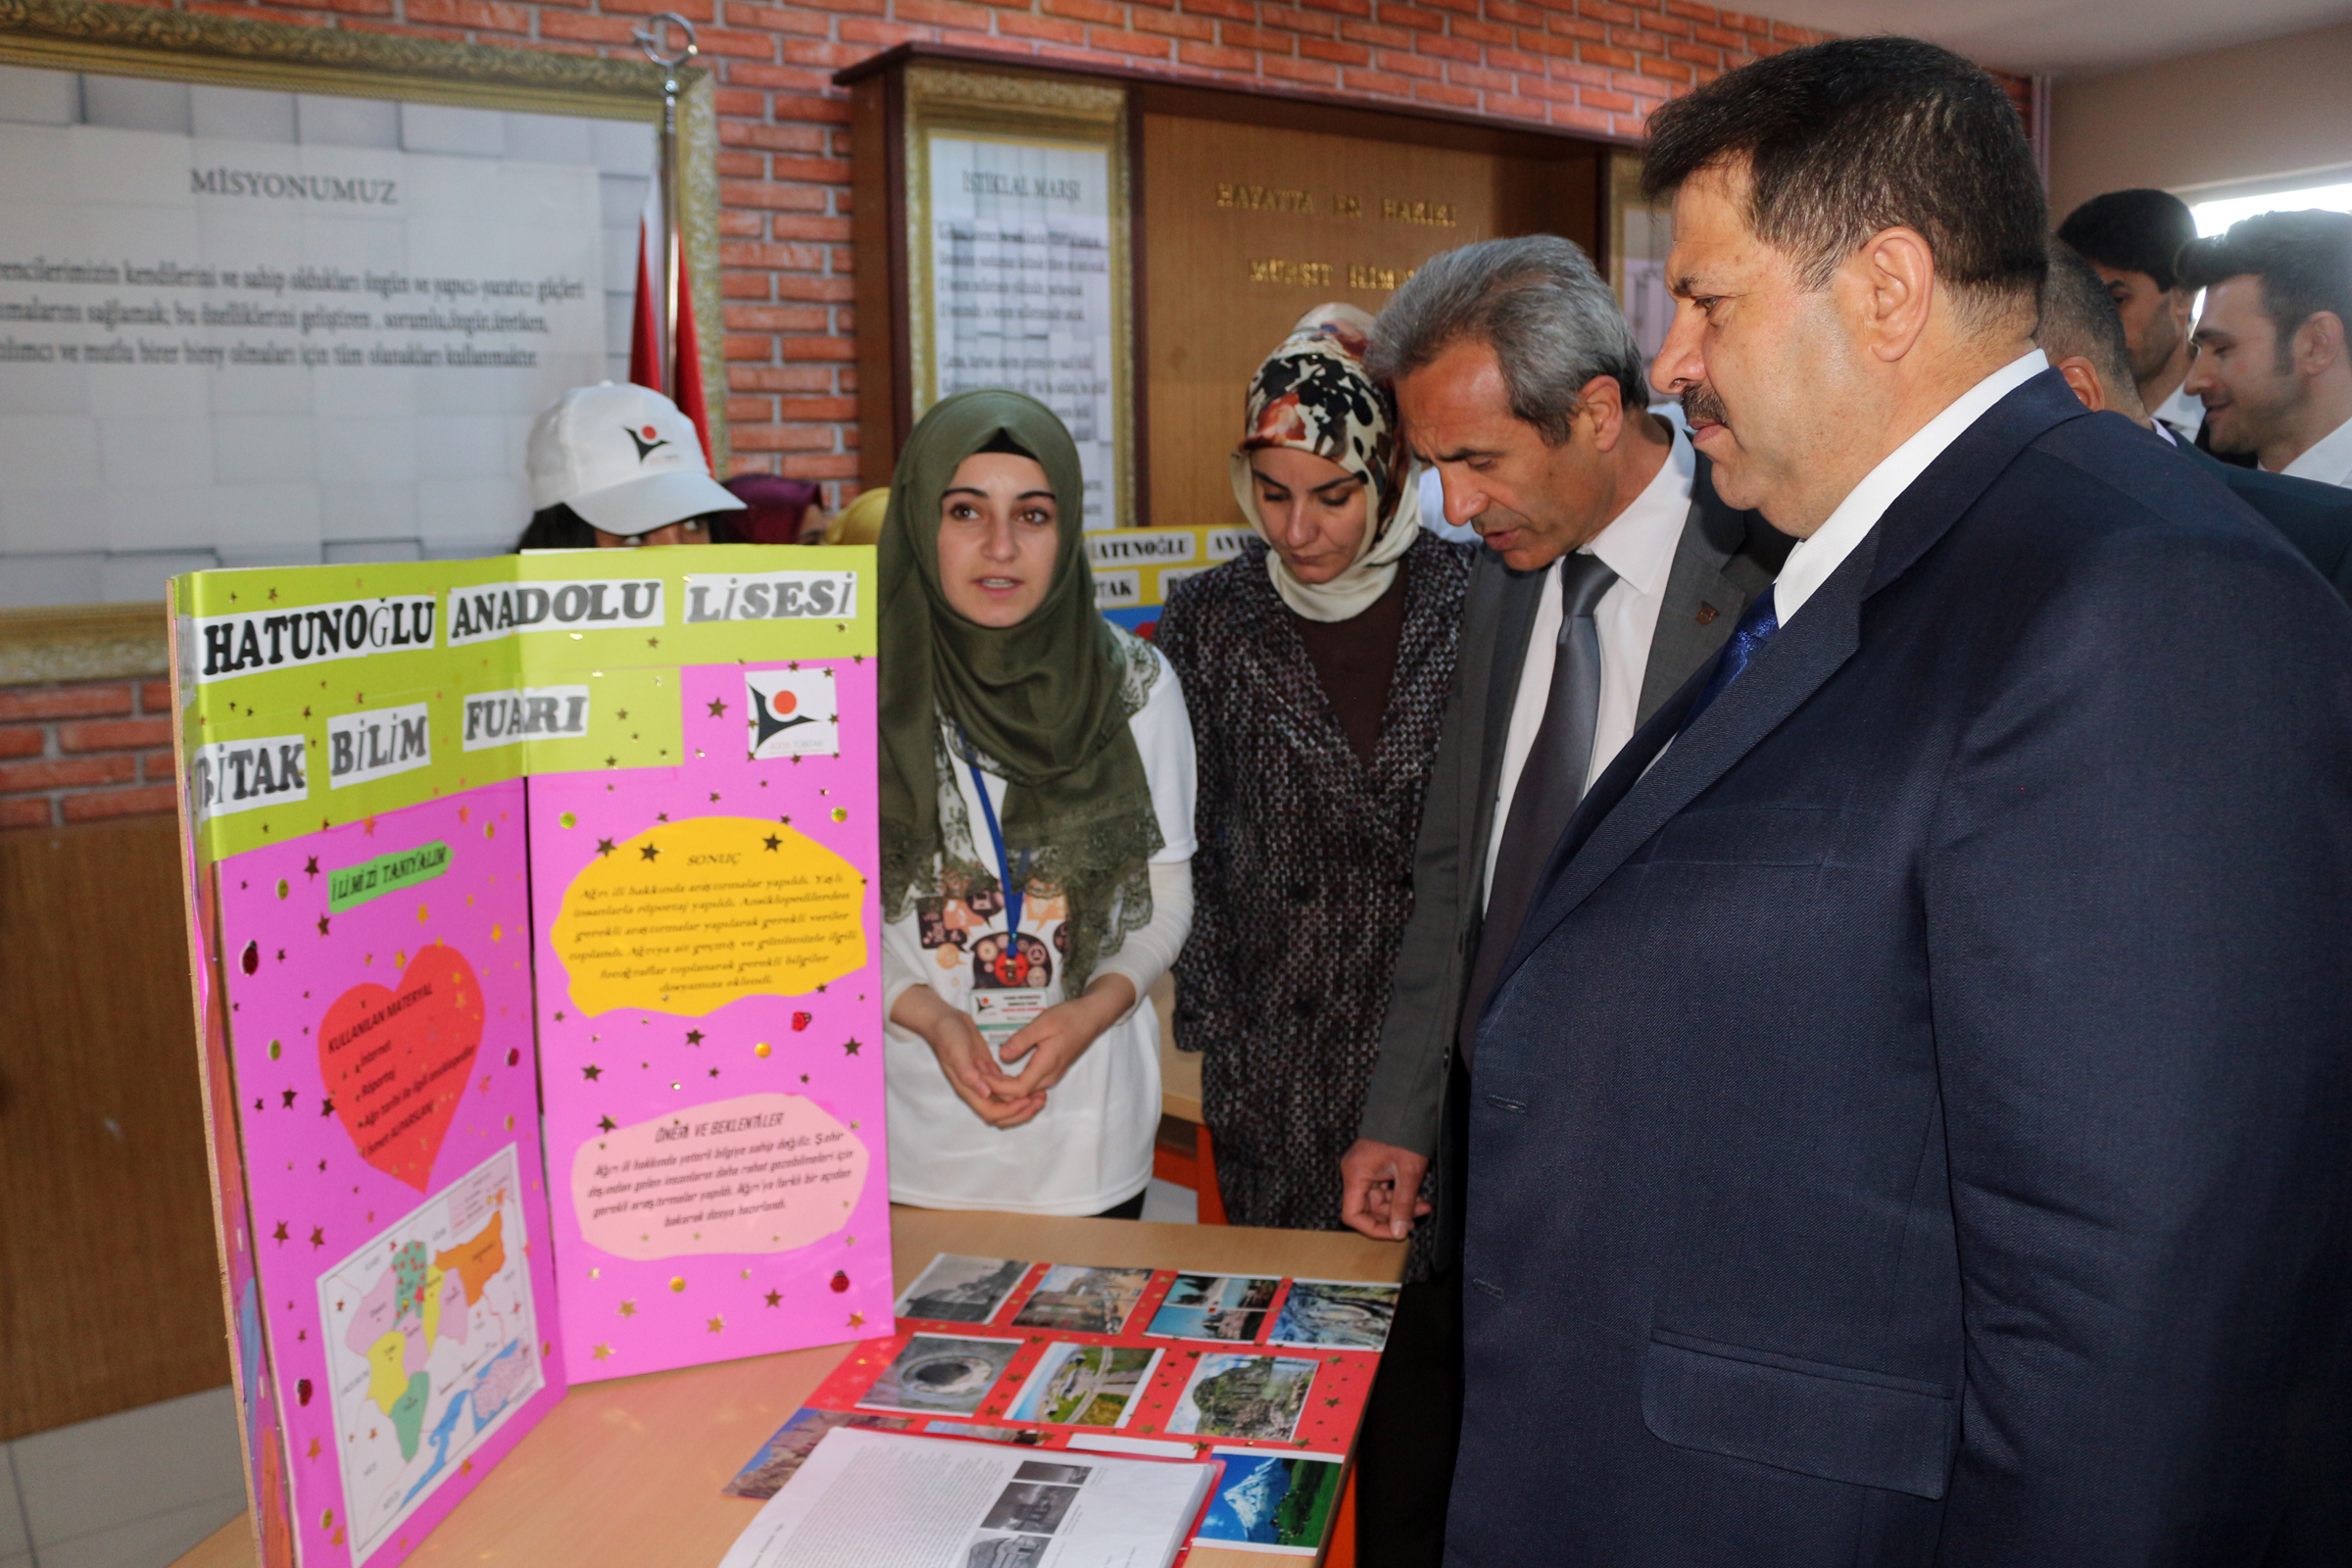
pixel 623 457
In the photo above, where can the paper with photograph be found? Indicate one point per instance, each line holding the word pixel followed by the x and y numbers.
pixel 1236 1395
pixel 941 1374
pixel 1083 1300
pixel 888 1496
pixel 1274 1502
pixel 780 1455
pixel 1231 1307
pixel 955 1289
pixel 1335 1315
pixel 1086 1385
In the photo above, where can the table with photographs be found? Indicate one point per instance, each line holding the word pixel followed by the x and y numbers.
pixel 630 1471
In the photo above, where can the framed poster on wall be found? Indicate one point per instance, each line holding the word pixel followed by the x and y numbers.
pixel 277 295
pixel 1018 242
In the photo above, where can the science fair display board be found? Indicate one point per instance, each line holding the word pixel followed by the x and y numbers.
pixel 537 963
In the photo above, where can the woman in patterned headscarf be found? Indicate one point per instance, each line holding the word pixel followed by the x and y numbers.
pixel 1315 666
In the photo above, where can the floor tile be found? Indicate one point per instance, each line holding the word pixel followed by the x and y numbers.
pixel 134 1465
pixel 148 1543
pixel 15 1539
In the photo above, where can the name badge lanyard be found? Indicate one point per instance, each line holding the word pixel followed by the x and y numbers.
pixel 996 835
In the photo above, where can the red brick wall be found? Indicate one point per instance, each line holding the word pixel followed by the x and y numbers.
pixel 1596 66
pixel 74 753
pixel 80 751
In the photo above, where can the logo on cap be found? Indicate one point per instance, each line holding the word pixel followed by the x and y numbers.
pixel 647 443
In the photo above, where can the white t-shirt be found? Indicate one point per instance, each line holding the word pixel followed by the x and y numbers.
pixel 1090 1148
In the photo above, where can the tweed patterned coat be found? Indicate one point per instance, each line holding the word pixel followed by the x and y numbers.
pixel 1304 873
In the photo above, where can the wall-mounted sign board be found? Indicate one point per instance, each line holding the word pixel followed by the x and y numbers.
pixel 276 296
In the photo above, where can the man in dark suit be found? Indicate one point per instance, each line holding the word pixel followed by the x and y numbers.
pixel 1609 573
pixel 2084 336
pixel 1915 1123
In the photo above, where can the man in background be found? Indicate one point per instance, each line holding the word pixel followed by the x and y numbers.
pixel 1609 573
pixel 1911 1124
pixel 2085 340
pixel 2133 237
pixel 2272 366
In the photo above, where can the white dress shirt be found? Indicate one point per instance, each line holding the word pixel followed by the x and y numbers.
pixel 2329 460
pixel 1638 545
pixel 2181 413
pixel 1813 560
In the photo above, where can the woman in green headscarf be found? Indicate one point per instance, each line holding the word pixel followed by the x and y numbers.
pixel 1036 830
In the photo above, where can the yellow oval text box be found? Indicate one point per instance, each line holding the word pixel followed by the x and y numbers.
pixel 688 916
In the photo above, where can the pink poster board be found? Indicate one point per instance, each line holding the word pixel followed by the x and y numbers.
pixel 714 1103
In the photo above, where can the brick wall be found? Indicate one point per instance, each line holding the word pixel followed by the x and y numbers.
pixel 1596 66
pixel 83 750
pixel 73 753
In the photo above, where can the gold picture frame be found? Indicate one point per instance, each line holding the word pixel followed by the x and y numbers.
pixel 1046 113
pixel 97 38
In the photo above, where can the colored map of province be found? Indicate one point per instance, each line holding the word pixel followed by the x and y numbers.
pixel 477 1258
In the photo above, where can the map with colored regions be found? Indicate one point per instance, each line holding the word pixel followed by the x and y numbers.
pixel 431 1342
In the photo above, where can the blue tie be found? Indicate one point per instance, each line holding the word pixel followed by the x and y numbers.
pixel 1756 626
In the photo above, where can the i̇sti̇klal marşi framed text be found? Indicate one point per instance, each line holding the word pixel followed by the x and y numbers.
pixel 276 295
pixel 1018 245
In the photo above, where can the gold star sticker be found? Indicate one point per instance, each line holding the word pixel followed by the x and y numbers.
pixel 719 708
pixel 856 1320
pixel 718 1325
pixel 774 1298
pixel 629 1309
pixel 603 1353
pixel 313 1453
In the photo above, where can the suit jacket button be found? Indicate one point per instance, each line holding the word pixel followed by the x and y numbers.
pixel 1706 614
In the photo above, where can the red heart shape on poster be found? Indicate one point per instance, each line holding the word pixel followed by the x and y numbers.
pixel 395 1062
pixel 802 1020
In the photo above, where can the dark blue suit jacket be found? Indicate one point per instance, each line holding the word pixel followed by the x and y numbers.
pixel 2315 518
pixel 1916 1125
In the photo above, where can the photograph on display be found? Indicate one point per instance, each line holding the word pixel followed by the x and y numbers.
pixel 1032 1508
pixel 941 1374
pixel 1279 1502
pixel 1086 1385
pixel 785 1452
pixel 1083 1300
pixel 1231 1307
pixel 1007 1551
pixel 964 1429
pixel 961 1289
pixel 1337 1314
pixel 1252 1397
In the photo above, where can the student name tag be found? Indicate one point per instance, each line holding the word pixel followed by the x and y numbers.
pixel 1001 1014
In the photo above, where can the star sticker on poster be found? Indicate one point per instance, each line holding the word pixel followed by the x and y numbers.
pixel 719 707
pixel 603 1353
pixel 856 1320
pixel 694 1037
pixel 322 925
pixel 849 1047
pixel 606 1124
pixel 311 869
pixel 279 1235
pixel 318 1236
pixel 629 1309
pixel 718 1325
pixel 592 1072
pixel 773 842
pixel 604 847
pixel 648 851
pixel 289 1094
pixel 775 1297
pixel 326 1109
pixel 313 1453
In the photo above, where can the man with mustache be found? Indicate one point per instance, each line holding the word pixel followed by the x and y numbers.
pixel 1912 1125
pixel 1609 573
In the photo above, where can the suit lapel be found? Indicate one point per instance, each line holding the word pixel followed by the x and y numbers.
pixel 1701 604
pixel 1512 613
pixel 1633 800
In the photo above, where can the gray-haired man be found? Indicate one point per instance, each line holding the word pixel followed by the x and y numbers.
pixel 1610 574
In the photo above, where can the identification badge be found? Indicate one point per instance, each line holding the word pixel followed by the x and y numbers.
pixel 1002 1014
